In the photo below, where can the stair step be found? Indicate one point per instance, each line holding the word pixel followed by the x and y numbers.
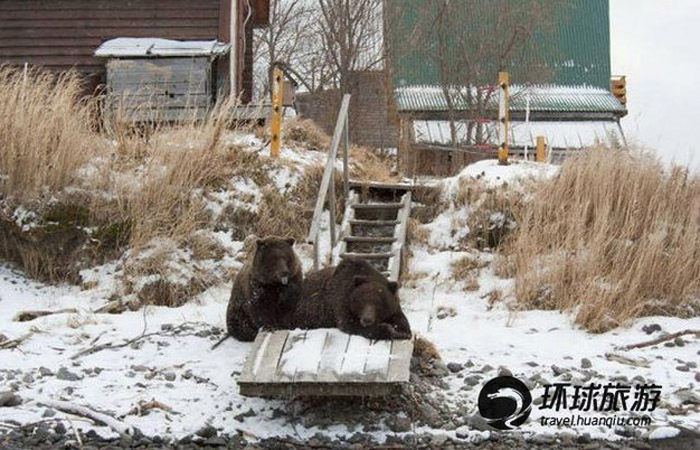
pixel 378 223
pixel 377 205
pixel 367 255
pixel 370 239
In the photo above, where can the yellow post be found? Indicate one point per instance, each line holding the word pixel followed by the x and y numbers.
pixel 503 117
pixel 276 119
pixel 540 149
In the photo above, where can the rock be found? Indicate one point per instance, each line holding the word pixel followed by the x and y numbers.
pixel 476 422
pixel 504 372
pixel 486 368
pixel 66 375
pixel 9 399
pixel 692 364
pixel 472 380
pixel 139 368
pixel 679 342
pixel 169 376
pixel 60 428
pixel 48 412
pixel 586 363
pixel 688 396
pixel 454 367
pixel 558 370
pixel 651 328
pixel 683 368
pixel 28 378
pixel 166 327
pixel 697 377
pixel 242 416
pixel 430 415
pixel 669 344
pixel 215 442
pixel 532 364
pixel 399 424
pixel 207 432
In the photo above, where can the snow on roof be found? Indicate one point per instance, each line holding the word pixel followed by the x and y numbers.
pixel 544 97
pixel 560 135
pixel 141 47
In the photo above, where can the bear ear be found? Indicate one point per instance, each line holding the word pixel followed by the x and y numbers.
pixel 260 243
pixel 393 286
pixel 290 241
pixel 359 279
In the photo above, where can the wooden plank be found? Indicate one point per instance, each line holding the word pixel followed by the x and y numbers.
pixel 269 359
pixel 400 235
pixel 180 32
pixel 377 363
pixel 288 390
pixel 286 366
pixel 96 14
pixel 379 223
pixel 160 101
pixel 312 356
pixel 332 356
pixel 128 23
pixel 252 361
pixel 400 361
pixel 354 359
pixel 366 255
pixel 109 5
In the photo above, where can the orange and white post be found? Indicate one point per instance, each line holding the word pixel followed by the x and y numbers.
pixel 276 119
pixel 503 117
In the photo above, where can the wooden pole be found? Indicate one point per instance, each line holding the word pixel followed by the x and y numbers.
pixel 540 149
pixel 503 117
pixel 276 119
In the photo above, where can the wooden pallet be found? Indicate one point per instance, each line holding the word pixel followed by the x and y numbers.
pixel 324 362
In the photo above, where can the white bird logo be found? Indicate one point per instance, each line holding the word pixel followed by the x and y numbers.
pixel 520 408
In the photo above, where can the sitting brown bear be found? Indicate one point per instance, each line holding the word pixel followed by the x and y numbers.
pixel 353 297
pixel 267 289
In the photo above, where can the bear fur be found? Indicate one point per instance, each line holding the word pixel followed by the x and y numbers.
pixel 267 289
pixel 355 298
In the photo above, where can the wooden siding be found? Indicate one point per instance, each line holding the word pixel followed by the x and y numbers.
pixel 63 34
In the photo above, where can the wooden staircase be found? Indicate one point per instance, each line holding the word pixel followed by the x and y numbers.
pixel 374 229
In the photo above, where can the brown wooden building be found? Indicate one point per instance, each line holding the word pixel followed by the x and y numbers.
pixel 64 34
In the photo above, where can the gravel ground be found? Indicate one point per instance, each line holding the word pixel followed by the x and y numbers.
pixel 46 436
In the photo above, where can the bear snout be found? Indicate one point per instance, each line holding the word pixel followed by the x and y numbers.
pixel 368 316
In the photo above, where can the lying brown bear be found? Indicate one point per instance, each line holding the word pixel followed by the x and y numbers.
pixel 267 289
pixel 353 297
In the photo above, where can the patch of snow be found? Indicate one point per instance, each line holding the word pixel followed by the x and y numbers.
pixel 664 433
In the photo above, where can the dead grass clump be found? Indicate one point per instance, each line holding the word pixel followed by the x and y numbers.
pixel 424 349
pixel 45 134
pixel 465 271
pixel 306 192
pixel 615 236
pixel 417 234
pixel 306 133
pixel 367 165
pixel 428 203
pixel 278 216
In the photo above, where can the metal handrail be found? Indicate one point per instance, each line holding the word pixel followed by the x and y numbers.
pixel 341 133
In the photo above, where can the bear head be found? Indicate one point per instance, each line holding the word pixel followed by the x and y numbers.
pixel 373 301
pixel 274 261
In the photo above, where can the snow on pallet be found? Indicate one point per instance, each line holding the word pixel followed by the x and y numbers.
pixel 324 362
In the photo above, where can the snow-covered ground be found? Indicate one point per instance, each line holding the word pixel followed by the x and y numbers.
pixel 196 386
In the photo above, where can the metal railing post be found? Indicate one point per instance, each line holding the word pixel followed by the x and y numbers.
pixel 346 169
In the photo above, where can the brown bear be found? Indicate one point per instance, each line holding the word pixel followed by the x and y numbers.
pixel 353 297
pixel 267 289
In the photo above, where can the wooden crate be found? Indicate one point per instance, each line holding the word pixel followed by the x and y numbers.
pixel 160 89
pixel 324 362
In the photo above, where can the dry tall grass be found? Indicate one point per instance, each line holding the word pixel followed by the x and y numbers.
pixel 614 236
pixel 45 133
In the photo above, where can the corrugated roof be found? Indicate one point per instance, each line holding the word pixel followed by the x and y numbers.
pixel 144 47
pixel 545 98
pixel 575 50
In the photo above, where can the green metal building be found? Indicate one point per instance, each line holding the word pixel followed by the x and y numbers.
pixel 560 77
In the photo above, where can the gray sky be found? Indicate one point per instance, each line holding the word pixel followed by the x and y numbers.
pixel 655 43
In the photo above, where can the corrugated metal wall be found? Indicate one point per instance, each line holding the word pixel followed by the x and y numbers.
pixel 62 34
